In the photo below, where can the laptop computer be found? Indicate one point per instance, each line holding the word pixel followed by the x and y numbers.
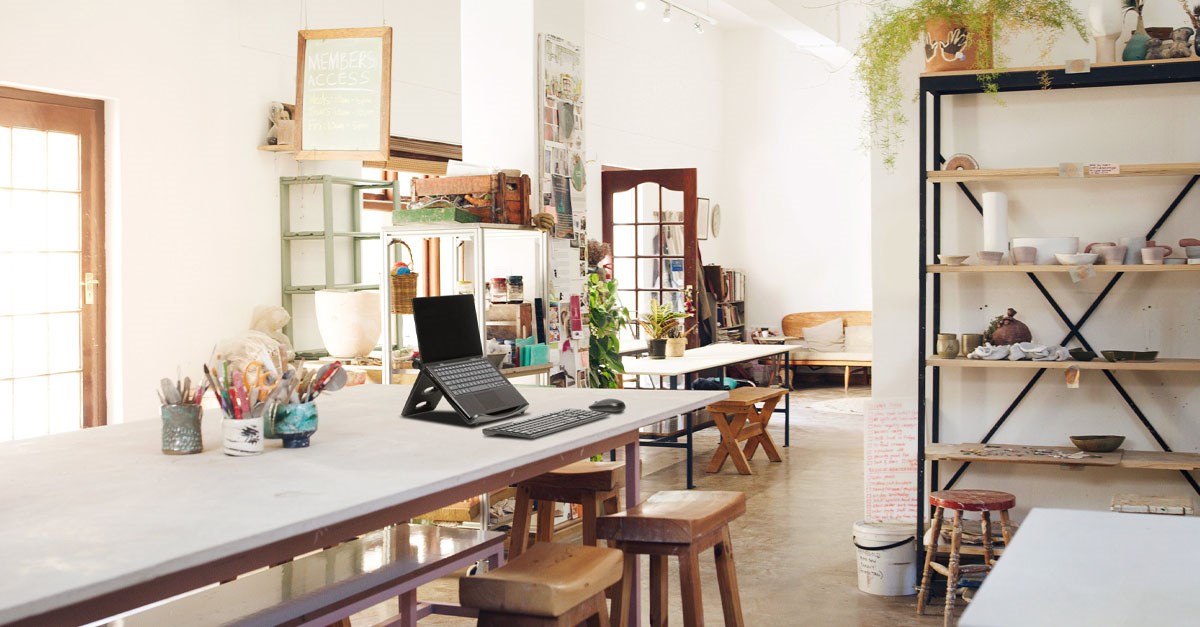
pixel 453 365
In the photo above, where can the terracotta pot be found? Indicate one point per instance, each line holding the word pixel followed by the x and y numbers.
pixel 950 47
pixel 676 346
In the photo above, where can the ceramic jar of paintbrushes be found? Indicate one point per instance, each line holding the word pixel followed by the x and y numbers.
pixel 237 392
pixel 291 414
pixel 181 417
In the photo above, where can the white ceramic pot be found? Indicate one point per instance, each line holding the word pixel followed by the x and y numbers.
pixel 349 322
pixel 242 438
pixel 1048 247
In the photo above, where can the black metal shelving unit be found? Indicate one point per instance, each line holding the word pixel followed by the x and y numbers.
pixel 933 87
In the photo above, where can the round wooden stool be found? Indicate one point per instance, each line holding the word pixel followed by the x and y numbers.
pixel 594 485
pixel 959 501
pixel 681 523
pixel 551 584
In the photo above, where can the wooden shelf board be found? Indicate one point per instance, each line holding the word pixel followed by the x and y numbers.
pixel 1146 460
pixel 1164 364
pixel 524 371
pixel 1100 269
pixel 1127 170
pixel 278 148
pixel 1048 68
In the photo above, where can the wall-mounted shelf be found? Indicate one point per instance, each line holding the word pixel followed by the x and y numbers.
pixel 1160 365
pixel 1024 174
pixel 278 148
pixel 1146 460
pixel 1101 269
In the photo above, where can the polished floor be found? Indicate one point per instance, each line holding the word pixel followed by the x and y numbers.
pixel 795 561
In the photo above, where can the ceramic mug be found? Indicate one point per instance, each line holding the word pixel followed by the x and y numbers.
pixel 1153 255
pixel 1024 255
pixel 242 438
pixel 1133 247
pixel 1168 249
pixel 1112 255
pixel 947 346
pixel 1095 247
pixel 970 342
pixel 1192 252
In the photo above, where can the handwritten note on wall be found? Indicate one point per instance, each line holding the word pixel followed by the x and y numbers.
pixel 344 92
pixel 890 457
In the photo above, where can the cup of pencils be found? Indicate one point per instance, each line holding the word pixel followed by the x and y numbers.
pixel 181 417
pixel 291 413
pixel 237 392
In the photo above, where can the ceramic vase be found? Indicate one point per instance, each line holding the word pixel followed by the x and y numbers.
pixel 676 346
pixel 181 429
pixel 295 424
pixel 995 221
pixel 947 346
pixel 970 342
pixel 242 438
pixel 950 46
pixel 1105 18
pixel 349 322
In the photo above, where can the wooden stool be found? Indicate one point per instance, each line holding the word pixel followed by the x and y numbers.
pixel 681 523
pixel 959 501
pixel 550 584
pixel 739 421
pixel 594 485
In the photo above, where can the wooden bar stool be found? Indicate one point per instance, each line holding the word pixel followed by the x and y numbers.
pixel 594 485
pixel 739 421
pixel 680 523
pixel 959 501
pixel 549 584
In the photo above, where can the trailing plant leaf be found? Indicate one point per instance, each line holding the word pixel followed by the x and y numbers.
pixel 606 317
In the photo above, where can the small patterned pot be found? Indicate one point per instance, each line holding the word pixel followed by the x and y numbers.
pixel 181 429
pixel 294 424
pixel 242 438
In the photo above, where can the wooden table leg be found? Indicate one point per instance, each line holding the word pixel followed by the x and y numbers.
pixel 731 599
pixel 730 425
pixel 989 557
pixel 620 603
pixel 764 438
pixel 658 591
pixel 633 496
pixel 518 538
pixel 689 586
pixel 930 551
pixel 952 577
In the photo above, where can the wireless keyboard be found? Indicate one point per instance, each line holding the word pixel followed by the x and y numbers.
pixel 546 424
pixel 466 377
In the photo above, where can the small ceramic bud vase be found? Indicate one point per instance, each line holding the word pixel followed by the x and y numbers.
pixel 295 424
pixel 181 429
pixel 947 346
pixel 242 438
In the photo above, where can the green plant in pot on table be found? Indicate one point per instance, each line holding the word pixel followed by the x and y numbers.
pixel 606 316
pixel 957 35
pixel 659 323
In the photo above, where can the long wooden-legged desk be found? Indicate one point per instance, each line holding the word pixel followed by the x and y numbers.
pixel 97 522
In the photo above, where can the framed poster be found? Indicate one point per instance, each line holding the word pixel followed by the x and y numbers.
pixel 344 93
pixel 702 218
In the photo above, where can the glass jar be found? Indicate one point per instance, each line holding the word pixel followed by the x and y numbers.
pixel 499 290
pixel 516 289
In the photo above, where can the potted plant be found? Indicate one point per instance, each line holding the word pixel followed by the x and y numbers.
pixel 606 316
pixel 658 323
pixel 677 340
pixel 957 35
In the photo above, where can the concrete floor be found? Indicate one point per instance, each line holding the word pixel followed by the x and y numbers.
pixel 795 561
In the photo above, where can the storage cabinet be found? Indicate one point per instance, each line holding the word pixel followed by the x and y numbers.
pixel 934 89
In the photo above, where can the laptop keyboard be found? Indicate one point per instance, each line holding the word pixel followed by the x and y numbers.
pixel 546 424
pixel 466 377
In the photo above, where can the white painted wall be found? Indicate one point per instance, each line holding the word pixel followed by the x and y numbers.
pixel 796 180
pixel 1130 125
pixel 190 198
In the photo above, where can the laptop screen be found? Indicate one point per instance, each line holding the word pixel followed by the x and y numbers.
pixel 447 327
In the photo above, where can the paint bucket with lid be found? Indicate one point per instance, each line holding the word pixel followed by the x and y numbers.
pixel 887 557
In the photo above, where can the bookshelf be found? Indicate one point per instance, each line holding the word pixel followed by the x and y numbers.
pixel 728 289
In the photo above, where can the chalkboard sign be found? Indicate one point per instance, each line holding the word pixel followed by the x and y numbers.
pixel 344 93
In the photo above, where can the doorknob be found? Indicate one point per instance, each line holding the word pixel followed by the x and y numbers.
pixel 89 288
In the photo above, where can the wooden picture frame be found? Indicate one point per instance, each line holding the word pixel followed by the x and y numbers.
pixel 702 205
pixel 339 102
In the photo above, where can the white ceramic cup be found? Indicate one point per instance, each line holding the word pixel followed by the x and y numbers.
pixel 1153 255
pixel 242 438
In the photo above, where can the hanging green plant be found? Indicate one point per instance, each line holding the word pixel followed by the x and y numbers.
pixel 606 317
pixel 964 33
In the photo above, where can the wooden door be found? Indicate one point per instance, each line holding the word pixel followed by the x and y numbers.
pixel 649 218
pixel 51 263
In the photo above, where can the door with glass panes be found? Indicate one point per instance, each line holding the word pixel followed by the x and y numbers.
pixel 51 264
pixel 649 218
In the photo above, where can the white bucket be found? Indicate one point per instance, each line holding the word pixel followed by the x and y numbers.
pixel 887 557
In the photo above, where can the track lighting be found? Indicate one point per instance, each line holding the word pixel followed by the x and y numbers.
pixel 640 5
pixel 699 29
pixel 667 13
pixel 668 7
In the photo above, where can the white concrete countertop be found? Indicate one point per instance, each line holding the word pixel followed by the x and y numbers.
pixel 1072 567
pixel 103 510
pixel 703 358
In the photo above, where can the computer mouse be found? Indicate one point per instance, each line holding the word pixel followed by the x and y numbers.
pixel 608 406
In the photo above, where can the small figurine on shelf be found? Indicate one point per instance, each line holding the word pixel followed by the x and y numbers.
pixel 283 127
pixel 1005 330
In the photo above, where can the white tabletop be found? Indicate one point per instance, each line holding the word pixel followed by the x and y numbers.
pixel 102 510
pixel 703 358
pixel 1072 567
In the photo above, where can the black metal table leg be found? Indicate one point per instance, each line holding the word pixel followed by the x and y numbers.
pixel 787 398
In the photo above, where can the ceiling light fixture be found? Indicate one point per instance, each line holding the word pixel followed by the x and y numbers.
pixel 667 12
pixel 696 15
pixel 640 5
pixel 699 29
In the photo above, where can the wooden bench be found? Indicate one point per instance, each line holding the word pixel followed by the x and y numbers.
pixel 328 586
pixel 794 324
pixel 739 421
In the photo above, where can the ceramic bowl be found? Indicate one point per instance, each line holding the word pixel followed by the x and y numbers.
pixel 953 260
pixel 1115 356
pixel 1076 259
pixel 1175 261
pixel 1048 247
pixel 989 257
pixel 1082 354
pixel 1192 252
pixel 1097 443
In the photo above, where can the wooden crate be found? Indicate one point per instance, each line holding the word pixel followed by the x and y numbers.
pixel 498 198
pixel 510 321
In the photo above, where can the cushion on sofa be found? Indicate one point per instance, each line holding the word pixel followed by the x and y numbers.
pixel 858 339
pixel 826 337
pixel 802 354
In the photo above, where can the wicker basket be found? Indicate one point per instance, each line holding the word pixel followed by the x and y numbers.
pixel 404 287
